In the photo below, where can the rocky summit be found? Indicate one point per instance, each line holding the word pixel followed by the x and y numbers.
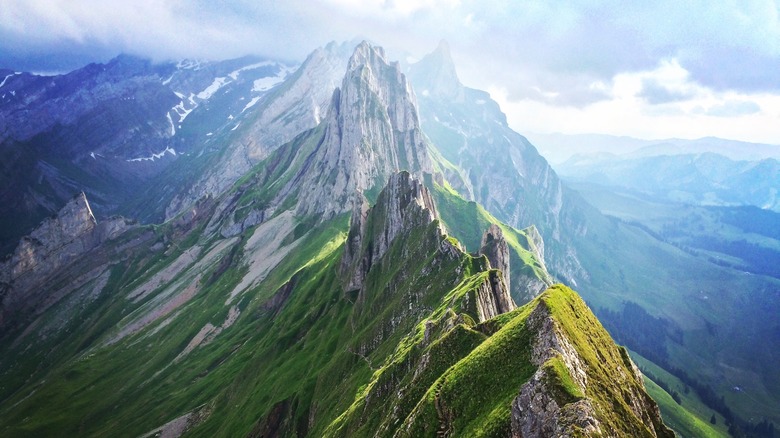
pixel 324 269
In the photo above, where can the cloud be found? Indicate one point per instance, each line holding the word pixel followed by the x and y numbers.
pixel 557 53
pixel 729 108
pixel 655 93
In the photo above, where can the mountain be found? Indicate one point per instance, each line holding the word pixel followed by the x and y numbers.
pixel 637 281
pixel 321 294
pixel 486 161
pixel 113 130
pixel 702 179
pixel 558 148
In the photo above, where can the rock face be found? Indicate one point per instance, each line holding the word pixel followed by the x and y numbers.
pixel 493 297
pixel 495 248
pixel 505 172
pixel 404 204
pixel 532 285
pixel 56 242
pixel 372 130
pixel 560 398
pixel 441 78
pixel 300 104
pixel 118 131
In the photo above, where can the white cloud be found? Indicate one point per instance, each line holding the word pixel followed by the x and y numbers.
pixel 585 66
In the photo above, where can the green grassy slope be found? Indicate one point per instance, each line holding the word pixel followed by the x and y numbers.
pixel 467 221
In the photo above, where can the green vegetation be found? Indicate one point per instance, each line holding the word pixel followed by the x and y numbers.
pixel 690 417
pixel 467 221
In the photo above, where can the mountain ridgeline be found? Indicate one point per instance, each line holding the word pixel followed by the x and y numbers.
pixel 335 261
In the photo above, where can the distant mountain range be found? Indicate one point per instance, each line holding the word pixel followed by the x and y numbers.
pixel 558 148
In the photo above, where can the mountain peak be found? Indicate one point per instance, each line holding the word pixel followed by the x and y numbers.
pixel 372 131
pixel 435 74
pixel 405 203
pixel 495 248
pixel 366 54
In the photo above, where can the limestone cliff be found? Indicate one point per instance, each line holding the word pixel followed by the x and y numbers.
pixel 584 384
pixel 372 130
pixel 493 297
pixel 299 104
pixel 404 204
pixel 495 248
pixel 53 244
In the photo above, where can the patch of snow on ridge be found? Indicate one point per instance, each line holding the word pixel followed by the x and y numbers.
pixel 6 78
pixel 181 111
pixel 265 84
pixel 173 129
pixel 213 88
pixel 234 75
pixel 251 103
pixel 188 64
pixel 168 150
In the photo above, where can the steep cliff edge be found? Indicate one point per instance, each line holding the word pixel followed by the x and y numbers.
pixel 584 383
pixel 52 245
pixel 403 204
pixel 372 130
pixel 495 248
pixel 545 369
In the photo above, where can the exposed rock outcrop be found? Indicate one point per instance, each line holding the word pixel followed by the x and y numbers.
pixel 52 245
pixel 300 104
pixel 372 130
pixel 495 248
pixel 493 297
pixel 404 204
pixel 560 398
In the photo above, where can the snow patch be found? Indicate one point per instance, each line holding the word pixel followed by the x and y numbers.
pixel 168 150
pixel 234 75
pixel 189 64
pixel 182 111
pixel 173 128
pixel 251 103
pixel 6 78
pixel 265 84
pixel 213 88
pixel 426 93
pixel 167 81
pixel 236 127
pixel 209 134
pixel 92 154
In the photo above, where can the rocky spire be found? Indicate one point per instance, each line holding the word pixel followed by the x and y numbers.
pixel 495 248
pixel 435 75
pixel 372 130
pixel 404 204
pixel 493 297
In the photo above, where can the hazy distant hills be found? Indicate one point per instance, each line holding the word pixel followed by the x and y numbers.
pixel 558 148
pixel 697 179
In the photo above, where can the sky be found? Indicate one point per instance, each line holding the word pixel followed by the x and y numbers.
pixel 659 69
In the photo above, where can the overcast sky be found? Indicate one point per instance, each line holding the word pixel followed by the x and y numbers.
pixel 655 69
